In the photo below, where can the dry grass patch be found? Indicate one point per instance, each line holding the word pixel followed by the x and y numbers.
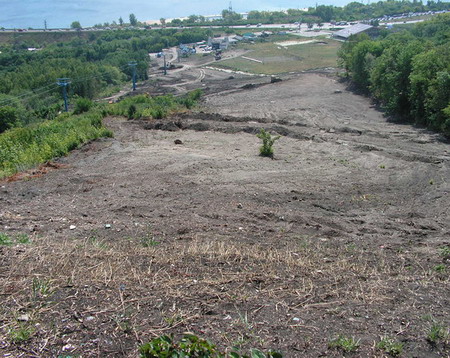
pixel 121 293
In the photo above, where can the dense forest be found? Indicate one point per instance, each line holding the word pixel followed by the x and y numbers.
pixel 408 72
pixel 95 64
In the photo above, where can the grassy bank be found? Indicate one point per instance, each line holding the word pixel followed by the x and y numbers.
pixel 23 148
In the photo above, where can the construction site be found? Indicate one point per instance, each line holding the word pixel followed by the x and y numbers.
pixel 178 225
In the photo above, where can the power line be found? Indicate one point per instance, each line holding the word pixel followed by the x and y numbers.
pixel 29 93
pixel 44 89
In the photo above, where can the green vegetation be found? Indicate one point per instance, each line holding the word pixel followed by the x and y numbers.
pixel 22 148
pixel 445 252
pixel 194 347
pixel 144 106
pixel 322 13
pixel 7 240
pixel 437 333
pixel 82 105
pixel 21 333
pixel 266 150
pixel 441 268
pixel 390 346
pixel 41 288
pixel 95 62
pixel 347 344
pixel 277 59
pixel 408 72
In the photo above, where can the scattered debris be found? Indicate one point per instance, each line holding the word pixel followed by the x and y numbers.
pixel 23 318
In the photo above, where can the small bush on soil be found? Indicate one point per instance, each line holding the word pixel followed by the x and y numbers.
pixel 440 268
pixel 445 252
pixel 23 239
pixel 5 239
pixel 266 150
pixel 20 334
pixel 390 346
pixel 345 343
pixel 194 347
pixel 41 288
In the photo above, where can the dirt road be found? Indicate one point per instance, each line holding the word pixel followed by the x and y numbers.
pixel 341 234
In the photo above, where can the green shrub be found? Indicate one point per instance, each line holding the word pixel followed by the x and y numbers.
pixel 131 111
pixel 8 118
pixel 193 347
pixel 266 150
pixel 82 105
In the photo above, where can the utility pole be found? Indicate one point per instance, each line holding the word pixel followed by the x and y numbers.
pixel 45 25
pixel 64 82
pixel 165 66
pixel 133 64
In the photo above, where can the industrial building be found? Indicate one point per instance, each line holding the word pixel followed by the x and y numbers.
pixel 344 34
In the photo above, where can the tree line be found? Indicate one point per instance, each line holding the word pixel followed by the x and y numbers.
pixel 408 72
pixel 325 13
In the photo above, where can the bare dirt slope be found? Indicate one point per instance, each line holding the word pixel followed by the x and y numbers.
pixel 136 236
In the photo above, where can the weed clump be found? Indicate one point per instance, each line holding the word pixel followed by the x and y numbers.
pixel 192 346
pixel 266 150
pixel 437 333
pixel 347 344
pixel 21 333
pixel 390 346
pixel 6 240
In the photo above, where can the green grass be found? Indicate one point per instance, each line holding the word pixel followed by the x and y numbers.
pixel 445 252
pixel 277 59
pixel 347 344
pixel 390 346
pixel 23 148
pixel 437 333
pixel 7 240
pixel 21 333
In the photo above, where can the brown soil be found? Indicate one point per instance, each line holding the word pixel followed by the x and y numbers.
pixel 137 236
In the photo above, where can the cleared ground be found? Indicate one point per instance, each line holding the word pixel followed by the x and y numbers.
pixel 343 233
pixel 277 59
